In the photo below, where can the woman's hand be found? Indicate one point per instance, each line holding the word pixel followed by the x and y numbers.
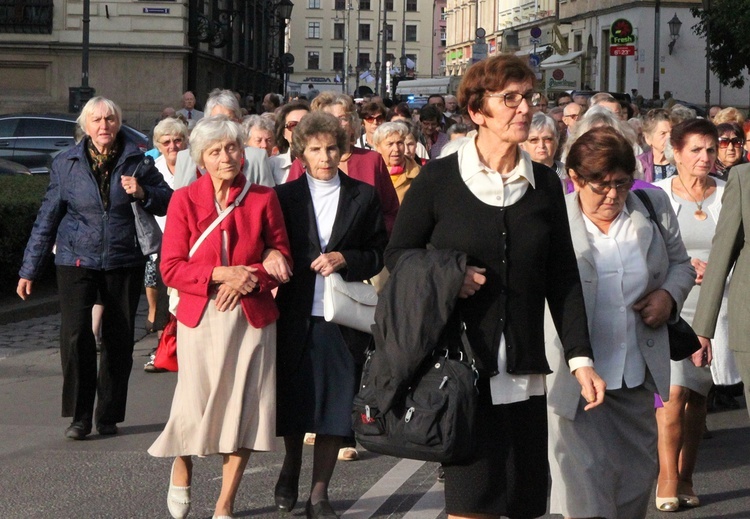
pixel 275 264
pixel 24 288
pixel 131 187
pixel 700 269
pixel 474 278
pixel 240 278
pixel 328 263
pixel 705 355
pixel 655 308
pixel 226 298
pixel 592 386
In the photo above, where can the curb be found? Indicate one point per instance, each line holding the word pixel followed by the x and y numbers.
pixel 36 307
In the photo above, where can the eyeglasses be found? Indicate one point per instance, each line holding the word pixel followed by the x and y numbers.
pixel 291 125
pixel 513 99
pixel 724 142
pixel 176 142
pixel 375 119
pixel 601 188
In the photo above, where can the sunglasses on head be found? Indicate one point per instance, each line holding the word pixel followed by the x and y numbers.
pixel 291 125
pixel 724 142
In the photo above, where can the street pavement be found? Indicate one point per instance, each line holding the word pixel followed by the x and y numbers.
pixel 44 475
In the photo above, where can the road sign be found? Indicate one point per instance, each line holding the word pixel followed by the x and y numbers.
pixel 478 52
pixel 534 60
pixel 622 50
pixel 535 32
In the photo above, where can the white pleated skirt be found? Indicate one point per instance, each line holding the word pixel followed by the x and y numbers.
pixel 225 398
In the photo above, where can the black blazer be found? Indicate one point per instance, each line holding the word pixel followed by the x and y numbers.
pixel 358 234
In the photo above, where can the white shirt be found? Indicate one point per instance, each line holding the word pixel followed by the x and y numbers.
pixel 501 190
pixel 281 164
pixel 325 199
pixel 622 275
pixel 161 165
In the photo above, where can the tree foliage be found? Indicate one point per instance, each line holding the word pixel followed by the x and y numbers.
pixel 725 25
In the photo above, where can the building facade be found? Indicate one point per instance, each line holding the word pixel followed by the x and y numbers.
pixel 142 54
pixel 338 44
pixel 572 45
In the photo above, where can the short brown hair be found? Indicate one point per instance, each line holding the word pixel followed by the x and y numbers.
pixel 492 75
pixel 599 152
pixel 681 132
pixel 316 123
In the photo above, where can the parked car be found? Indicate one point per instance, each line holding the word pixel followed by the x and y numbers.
pixel 34 140
pixel 8 167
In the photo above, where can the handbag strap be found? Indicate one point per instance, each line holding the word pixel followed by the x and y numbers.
pixel 640 193
pixel 219 219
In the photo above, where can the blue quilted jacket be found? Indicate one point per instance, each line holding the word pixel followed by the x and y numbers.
pixel 72 215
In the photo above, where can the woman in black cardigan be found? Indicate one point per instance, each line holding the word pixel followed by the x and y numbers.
pixel 508 215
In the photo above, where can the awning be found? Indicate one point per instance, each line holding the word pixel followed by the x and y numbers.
pixel 560 60
pixel 525 52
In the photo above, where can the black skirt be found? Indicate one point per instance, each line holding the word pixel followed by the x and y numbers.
pixel 508 474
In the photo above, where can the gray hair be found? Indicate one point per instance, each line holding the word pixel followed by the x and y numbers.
pixel 541 121
pixel 601 97
pixel 599 116
pixel 316 123
pixel 170 126
pixel 256 121
pixel 92 103
pixel 210 130
pixel 458 128
pixel 225 98
pixel 384 130
pixel 680 113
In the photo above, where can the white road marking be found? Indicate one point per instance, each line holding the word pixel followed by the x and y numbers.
pixel 430 506
pixel 374 498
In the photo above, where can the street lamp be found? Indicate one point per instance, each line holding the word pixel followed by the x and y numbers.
pixel 674 31
pixel 283 11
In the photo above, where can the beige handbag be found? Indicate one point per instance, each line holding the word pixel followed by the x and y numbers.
pixel 349 303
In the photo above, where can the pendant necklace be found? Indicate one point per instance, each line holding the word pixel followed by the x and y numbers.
pixel 699 214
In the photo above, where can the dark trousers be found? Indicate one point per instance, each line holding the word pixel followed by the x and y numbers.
pixel 119 291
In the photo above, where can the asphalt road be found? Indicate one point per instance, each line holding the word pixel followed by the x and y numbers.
pixel 44 475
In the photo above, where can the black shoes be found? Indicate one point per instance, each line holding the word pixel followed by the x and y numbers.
pixel 286 491
pixel 320 510
pixel 106 429
pixel 78 431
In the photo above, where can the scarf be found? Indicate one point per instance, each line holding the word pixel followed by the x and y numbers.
pixel 397 170
pixel 102 166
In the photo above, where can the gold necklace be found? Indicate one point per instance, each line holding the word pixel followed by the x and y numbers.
pixel 699 214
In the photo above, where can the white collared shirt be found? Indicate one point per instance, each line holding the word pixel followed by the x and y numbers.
pixel 622 275
pixel 280 164
pixel 500 190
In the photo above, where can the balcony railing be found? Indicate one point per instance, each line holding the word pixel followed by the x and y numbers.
pixel 26 16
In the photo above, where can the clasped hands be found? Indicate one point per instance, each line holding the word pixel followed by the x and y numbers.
pixel 231 284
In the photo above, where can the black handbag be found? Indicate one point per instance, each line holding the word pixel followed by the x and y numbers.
pixel 683 341
pixel 432 421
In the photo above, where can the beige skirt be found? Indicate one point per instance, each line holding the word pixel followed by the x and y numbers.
pixel 225 398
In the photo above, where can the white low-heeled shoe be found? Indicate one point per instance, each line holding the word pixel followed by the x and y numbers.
pixel 178 499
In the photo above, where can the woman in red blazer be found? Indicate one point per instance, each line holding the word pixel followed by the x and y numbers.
pixel 225 401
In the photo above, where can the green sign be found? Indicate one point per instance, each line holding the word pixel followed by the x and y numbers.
pixel 621 32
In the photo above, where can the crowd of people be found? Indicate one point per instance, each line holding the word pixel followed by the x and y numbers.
pixel 586 226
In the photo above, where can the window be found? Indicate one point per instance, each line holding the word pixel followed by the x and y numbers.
pixel 389 32
pixel 364 5
pixel 411 33
pixel 442 36
pixel 26 16
pixel 33 127
pixel 338 61
pixel 339 5
pixel 389 5
pixel 364 31
pixel 411 6
pixel 313 60
pixel 313 30
pixel 338 31
pixel 313 4
pixel 363 60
